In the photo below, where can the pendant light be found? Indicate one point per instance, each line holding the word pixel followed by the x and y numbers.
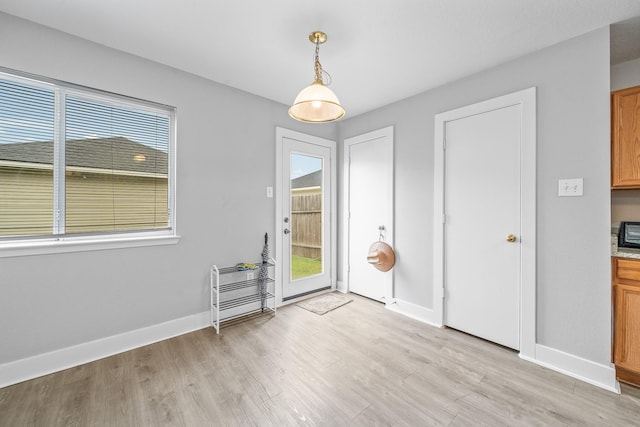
pixel 317 103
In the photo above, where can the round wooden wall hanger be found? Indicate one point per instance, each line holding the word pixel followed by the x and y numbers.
pixel 381 256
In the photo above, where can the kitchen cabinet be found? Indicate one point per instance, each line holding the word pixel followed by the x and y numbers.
pixel 626 309
pixel 625 138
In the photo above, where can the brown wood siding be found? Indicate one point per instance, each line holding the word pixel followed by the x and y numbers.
pixel 98 202
pixel 94 202
pixel 26 202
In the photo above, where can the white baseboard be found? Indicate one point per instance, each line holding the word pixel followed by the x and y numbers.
pixel 414 311
pixel 58 360
pixel 602 376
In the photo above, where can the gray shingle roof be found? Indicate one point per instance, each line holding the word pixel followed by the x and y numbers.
pixel 313 179
pixel 116 153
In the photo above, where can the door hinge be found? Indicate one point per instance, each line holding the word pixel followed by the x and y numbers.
pixel 444 218
pixel 444 143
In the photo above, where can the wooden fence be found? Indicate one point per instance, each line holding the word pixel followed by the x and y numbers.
pixel 306 225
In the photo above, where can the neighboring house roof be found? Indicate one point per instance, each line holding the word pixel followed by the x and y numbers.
pixel 313 179
pixel 93 153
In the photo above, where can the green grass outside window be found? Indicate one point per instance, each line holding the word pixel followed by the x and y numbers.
pixel 303 267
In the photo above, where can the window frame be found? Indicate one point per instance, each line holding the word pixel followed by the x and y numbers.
pixel 59 242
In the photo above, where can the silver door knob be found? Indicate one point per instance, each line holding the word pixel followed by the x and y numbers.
pixel 287 231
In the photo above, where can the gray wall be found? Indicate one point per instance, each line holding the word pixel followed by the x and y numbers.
pixel 625 204
pixel 226 143
pixel 226 158
pixel 626 74
pixel 573 284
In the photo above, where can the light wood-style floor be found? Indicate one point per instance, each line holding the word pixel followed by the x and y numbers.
pixel 359 365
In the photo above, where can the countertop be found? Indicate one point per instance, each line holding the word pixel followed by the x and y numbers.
pixel 622 252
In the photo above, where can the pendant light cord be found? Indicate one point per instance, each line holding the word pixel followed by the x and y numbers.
pixel 318 67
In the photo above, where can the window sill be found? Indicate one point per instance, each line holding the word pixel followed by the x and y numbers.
pixel 95 243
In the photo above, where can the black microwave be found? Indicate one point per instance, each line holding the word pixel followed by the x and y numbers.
pixel 629 235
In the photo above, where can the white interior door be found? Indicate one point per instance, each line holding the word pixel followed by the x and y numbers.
pixel 305 222
pixel 482 227
pixel 369 193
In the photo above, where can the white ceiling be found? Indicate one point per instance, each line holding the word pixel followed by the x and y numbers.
pixel 378 51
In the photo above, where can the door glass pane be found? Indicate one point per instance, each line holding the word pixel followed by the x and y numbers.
pixel 306 216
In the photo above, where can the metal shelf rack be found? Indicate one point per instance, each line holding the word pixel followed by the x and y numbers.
pixel 236 293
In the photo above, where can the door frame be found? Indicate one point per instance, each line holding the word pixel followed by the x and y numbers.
pixel 282 133
pixel 526 99
pixel 386 132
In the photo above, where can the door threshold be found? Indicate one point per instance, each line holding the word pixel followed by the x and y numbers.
pixel 306 295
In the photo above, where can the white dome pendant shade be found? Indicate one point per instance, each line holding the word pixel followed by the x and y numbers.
pixel 317 103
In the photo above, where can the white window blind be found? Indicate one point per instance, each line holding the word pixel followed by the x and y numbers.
pixel 26 159
pixel 116 167
pixel 76 162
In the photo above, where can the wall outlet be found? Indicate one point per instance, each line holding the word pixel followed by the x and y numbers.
pixel 570 187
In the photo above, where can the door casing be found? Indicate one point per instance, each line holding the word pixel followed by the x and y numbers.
pixel 526 99
pixel 281 134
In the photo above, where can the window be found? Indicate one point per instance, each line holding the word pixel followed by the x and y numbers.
pixel 76 163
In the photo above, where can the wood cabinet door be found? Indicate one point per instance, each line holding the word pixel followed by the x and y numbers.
pixel 627 327
pixel 625 143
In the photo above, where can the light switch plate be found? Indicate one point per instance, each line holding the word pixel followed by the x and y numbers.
pixel 269 192
pixel 570 187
